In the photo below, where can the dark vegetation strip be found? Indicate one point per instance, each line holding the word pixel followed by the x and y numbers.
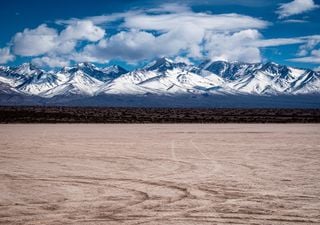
pixel 29 114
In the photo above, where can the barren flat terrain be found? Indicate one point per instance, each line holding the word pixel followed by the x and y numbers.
pixel 38 114
pixel 159 174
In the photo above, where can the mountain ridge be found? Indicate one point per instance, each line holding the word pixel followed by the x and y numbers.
pixel 161 77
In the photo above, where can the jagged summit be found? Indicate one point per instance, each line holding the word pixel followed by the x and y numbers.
pixel 228 70
pixel 27 69
pixel 114 70
pixel 85 64
pixel 163 64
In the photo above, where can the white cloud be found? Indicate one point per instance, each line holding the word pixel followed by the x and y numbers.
pixel 277 42
pixel 64 47
pixel 170 21
pixel 50 61
pixel 169 16
pixel 316 53
pixel 135 45
pixel 179 30
pixel 180 59
pixel 294 21
pixel 308 52
pixel 170 30
pixel 5 55
pixel 308 46
pixel 295 7
pixel 82 30
pixel 102 19
pixel 126 45
pixel 44 40
pixel 245 45
pixel 313 57
pixel 170 8
pixel 33 42
pixel 233 47
pixel 307 59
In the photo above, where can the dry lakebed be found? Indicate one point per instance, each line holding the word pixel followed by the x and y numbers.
pixel 159 174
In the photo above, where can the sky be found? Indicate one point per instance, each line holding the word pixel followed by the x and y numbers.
pixel 58 33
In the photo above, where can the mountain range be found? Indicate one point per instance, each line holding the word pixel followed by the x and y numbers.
pixel 160 78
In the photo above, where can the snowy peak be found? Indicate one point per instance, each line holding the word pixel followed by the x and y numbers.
pixel 114 71
pixel 4 68
pixel 88 69
pixel 275 69
pixel 86 65
pixel 213 65
pixel 163 64
pixel 27 69
pixel 227 70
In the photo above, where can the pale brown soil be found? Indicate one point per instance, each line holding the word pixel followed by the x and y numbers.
pixel 160 174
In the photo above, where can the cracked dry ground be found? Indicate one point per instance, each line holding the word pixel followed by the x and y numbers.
pixel 160 174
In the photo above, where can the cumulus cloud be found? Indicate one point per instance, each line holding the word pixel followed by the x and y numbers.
pixel 136 45
pixel 33 42
pixel 295 7
pixel 178 30
pixel 43 40
pixel 5 55
pixel 195 35
pixel 230 37
pixel 169 30
pixel 133 46
pixel 64 47
pixel 52 61
pixel 82 30
pixel 233 47
pixel 126 45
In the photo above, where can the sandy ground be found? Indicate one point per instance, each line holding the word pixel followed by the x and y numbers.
pixel 160 174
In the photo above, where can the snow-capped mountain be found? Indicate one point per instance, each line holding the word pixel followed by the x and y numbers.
pixel 229 71
pixel 114 71
pixel 269 78
pixel 160 77
pixel 27 69
pixel 164 64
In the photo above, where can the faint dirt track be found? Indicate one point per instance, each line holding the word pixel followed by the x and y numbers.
pixel 160 174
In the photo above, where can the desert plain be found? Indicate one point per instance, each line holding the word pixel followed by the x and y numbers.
pixel 159 174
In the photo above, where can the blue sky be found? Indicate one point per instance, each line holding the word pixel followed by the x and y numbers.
pixel 56 33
